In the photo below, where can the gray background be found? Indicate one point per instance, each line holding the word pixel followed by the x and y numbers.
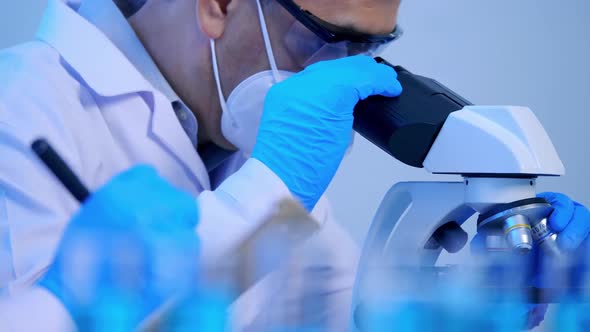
pixel 520 52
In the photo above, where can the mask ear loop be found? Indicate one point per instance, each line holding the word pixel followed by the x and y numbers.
pixel 269 53
pixel 222 101
pixel 271 59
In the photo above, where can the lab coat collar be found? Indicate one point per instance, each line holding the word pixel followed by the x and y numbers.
pixel 78 41
pixel 106 17
pixel 90 53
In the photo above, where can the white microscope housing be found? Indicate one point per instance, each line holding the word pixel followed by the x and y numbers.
pixel 500 151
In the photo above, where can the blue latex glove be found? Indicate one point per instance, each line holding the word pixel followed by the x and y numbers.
pixel 131 246
pixel 570 220
pixel 306 125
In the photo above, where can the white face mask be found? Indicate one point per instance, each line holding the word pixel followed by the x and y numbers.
pixel 242 111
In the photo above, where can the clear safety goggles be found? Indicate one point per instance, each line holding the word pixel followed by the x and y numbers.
pixel 312 39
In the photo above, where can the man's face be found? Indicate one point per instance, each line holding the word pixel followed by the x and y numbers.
pixel 165 25
pixel 294 44
pixel 290 39
pixel 241 51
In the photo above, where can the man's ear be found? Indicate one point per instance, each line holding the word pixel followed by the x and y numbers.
pixel 212 16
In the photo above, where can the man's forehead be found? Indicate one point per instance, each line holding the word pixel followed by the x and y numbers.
pixel 370 16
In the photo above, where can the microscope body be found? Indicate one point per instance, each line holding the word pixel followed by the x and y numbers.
pixel 500 151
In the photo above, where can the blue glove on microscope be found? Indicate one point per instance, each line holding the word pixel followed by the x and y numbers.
pixel 306 125
pixel 131 246
pixel 570 220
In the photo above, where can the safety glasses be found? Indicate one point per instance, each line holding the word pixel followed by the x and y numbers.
pixel 311 39
pixel 358 42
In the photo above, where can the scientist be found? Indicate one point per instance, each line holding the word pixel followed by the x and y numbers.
pixel 179 85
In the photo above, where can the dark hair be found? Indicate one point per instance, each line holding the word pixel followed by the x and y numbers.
pixel 129 7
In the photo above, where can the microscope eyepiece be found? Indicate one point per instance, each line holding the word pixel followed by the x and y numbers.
pixel 406 126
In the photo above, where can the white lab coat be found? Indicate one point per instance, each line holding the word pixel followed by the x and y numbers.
pixel 73 86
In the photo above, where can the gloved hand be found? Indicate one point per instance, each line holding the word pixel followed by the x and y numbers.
pixel 570 220
pixel 306 124
pixel 131 246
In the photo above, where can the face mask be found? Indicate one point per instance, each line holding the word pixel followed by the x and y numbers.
pixel 242 111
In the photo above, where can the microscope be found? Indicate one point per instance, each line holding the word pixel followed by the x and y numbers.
pixel 499 151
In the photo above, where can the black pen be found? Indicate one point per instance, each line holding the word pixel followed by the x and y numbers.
pixel 60 169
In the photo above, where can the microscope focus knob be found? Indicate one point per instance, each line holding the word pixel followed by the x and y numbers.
pixel 450 237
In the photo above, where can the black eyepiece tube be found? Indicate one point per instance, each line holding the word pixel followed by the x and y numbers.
pixel 60 169
pixel 406 126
